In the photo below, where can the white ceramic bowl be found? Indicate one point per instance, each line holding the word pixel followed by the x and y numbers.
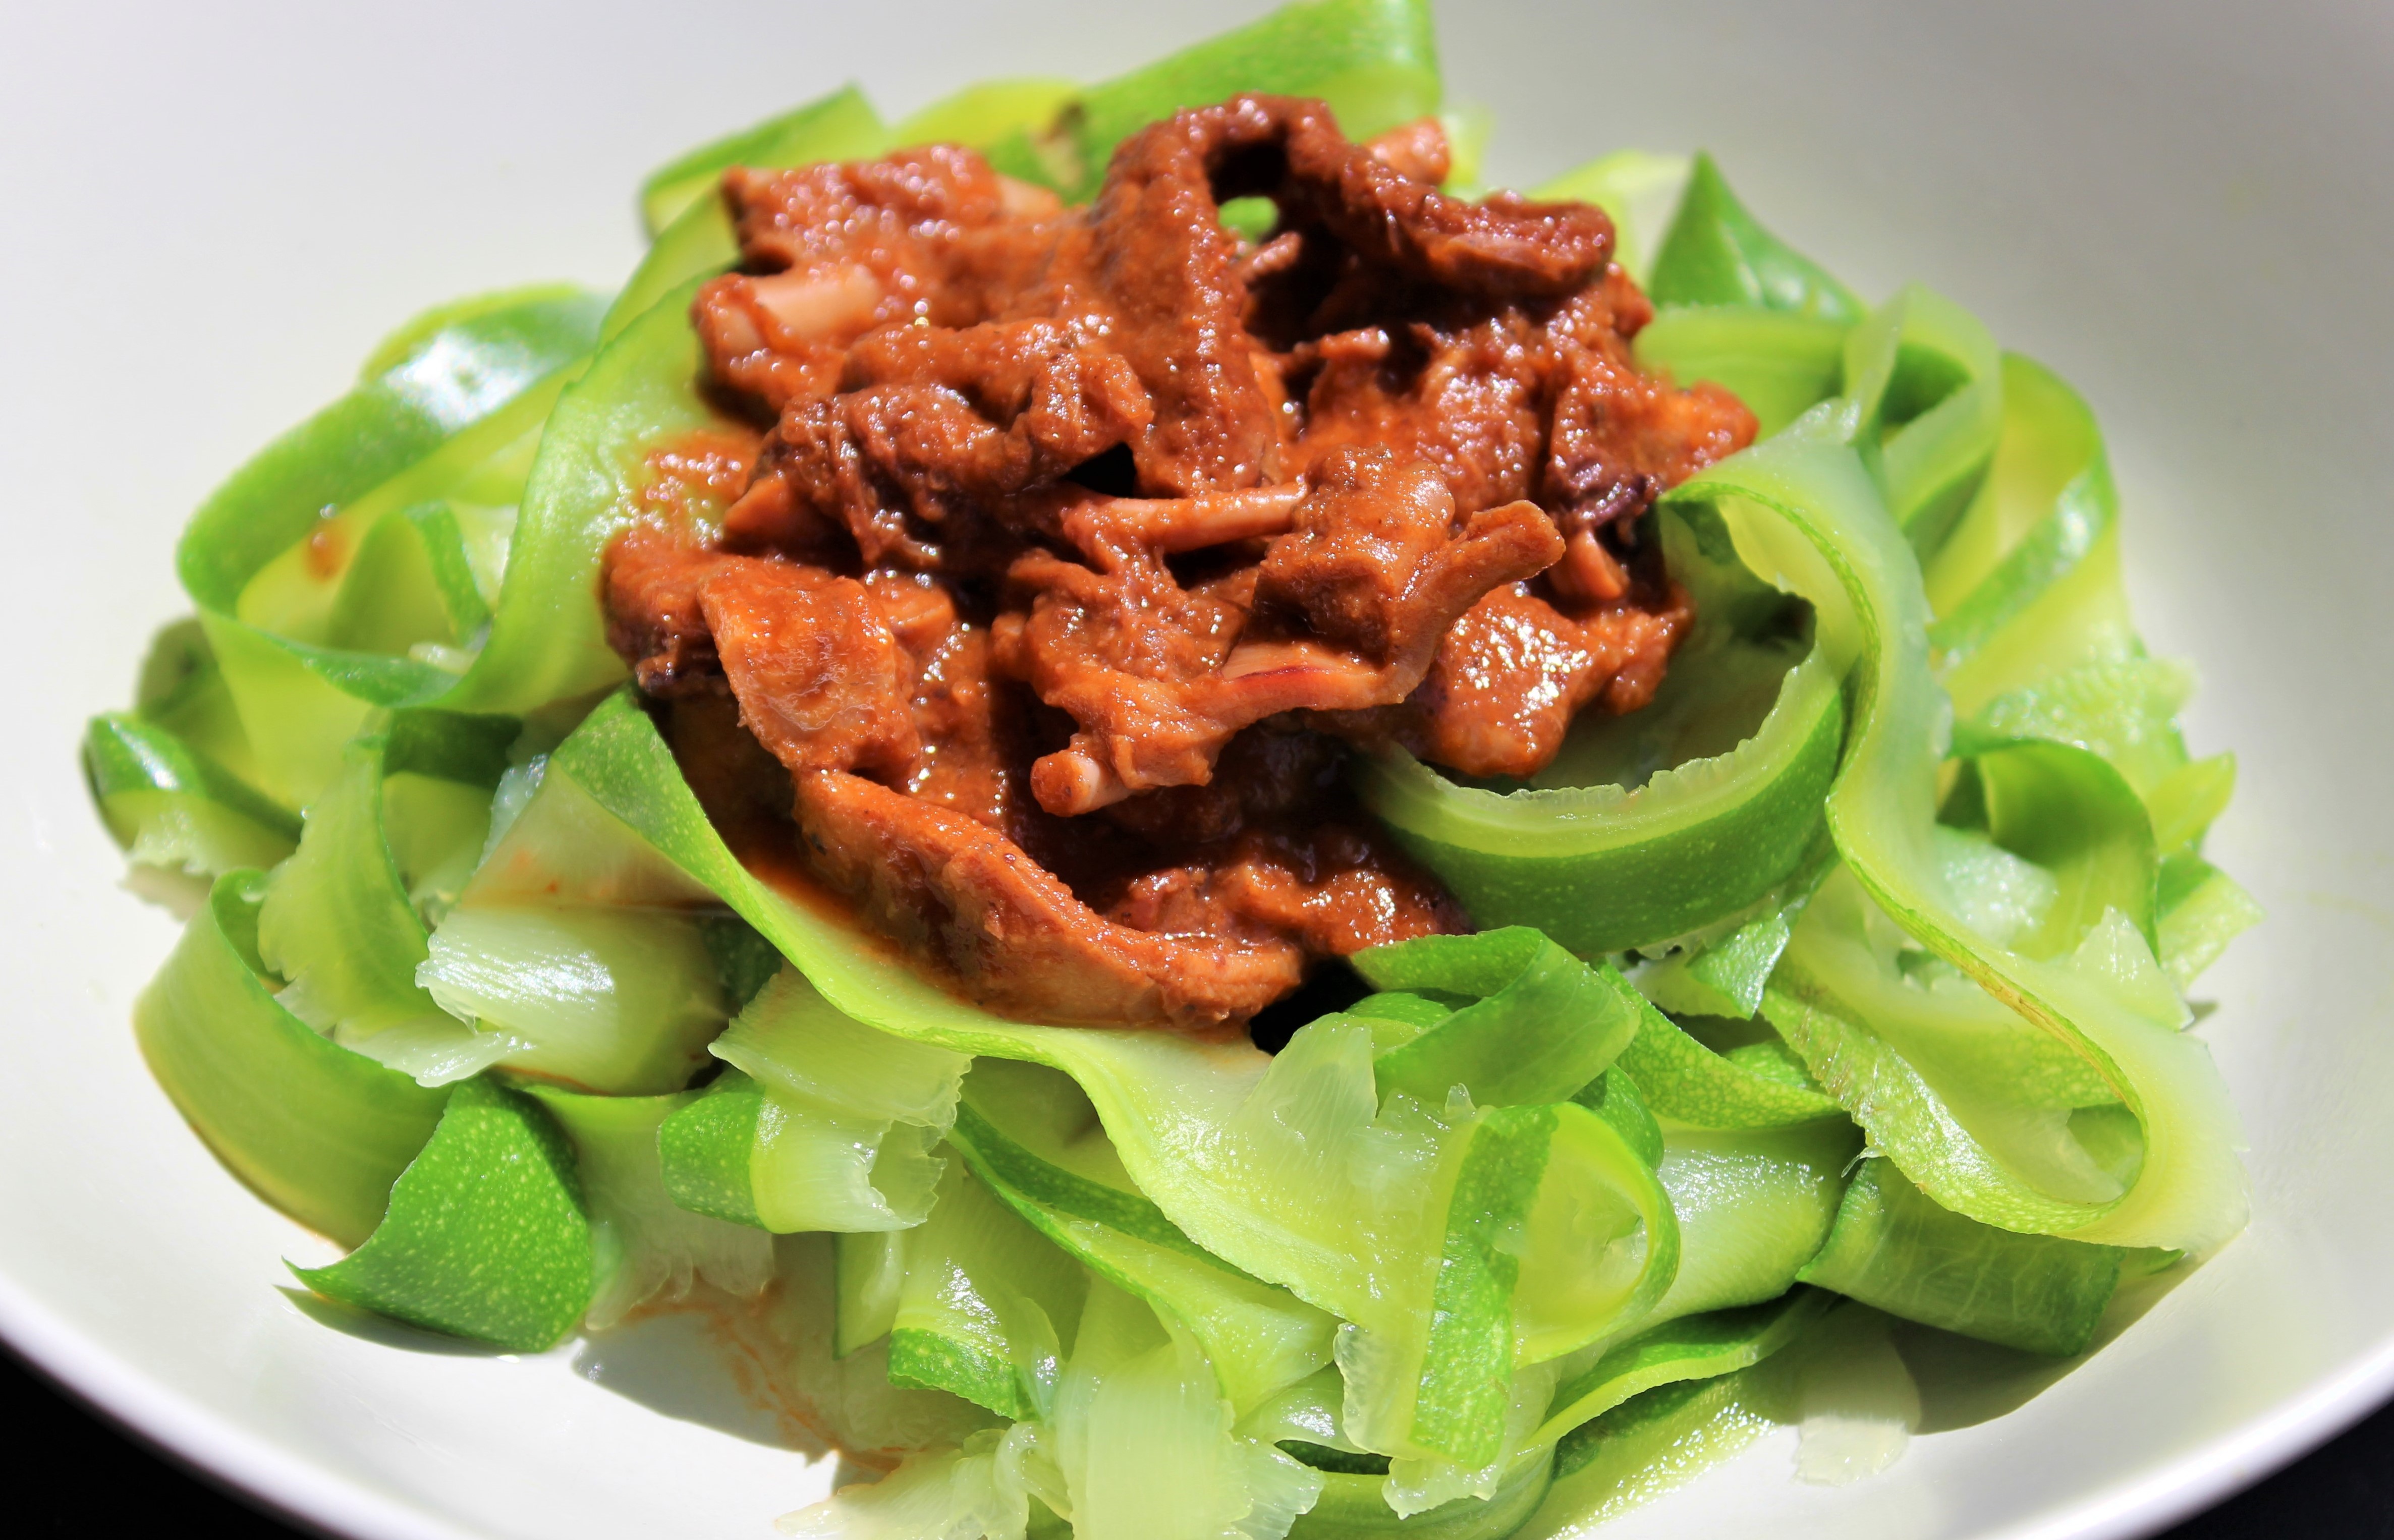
pixel 215 210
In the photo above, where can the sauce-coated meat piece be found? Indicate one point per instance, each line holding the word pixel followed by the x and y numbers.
pixel 820 680
pixel 838 250
pixel 1334 889
pixel 1516 669
pixel 1165 270
pixel 967 764
pixel 1013 934
pixel 1134 659
pixel 1505 246
pixel 1380 562
pixel 1085 540
pixel 1539 402
pixel 929 421
pixel 653 619
pixel 1344 613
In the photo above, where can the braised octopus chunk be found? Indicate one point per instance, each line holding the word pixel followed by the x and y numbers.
pixel 1085 541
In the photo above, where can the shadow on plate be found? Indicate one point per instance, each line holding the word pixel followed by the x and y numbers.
pixel 673 1363
pixel 701 1360
pixel 683 1361
pixel 381 1330
pixel 1962 1381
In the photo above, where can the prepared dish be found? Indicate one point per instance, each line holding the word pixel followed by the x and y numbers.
pixel 1265 846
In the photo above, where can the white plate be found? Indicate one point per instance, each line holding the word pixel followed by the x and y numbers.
pixel 214 211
